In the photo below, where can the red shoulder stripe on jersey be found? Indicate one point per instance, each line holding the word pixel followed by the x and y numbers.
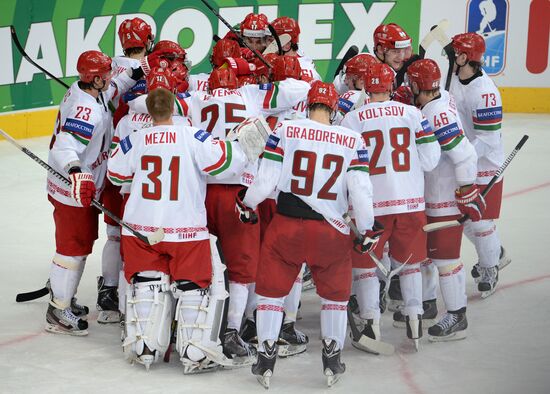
pixel 119 178
pixel 224 162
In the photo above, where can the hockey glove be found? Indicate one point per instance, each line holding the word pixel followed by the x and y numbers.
pixel 470 202
pixel 369 240
pixel 153 61
pixel 246 214
pixel 404 95
pixel 247 54
pixel 82 187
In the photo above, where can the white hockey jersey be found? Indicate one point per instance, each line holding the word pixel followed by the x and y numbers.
pixel 309 72
pixel 82 136
pixel 167 168
pixel 480 108
pixel 321 164
pixel 458 163
pixel 198 82
pixel 401 146
pixel 121 64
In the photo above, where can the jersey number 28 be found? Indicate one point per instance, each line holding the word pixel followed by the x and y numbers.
pixel 400 140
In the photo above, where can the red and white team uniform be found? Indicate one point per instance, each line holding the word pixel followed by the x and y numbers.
pixel 198 82
pixel 480 107
pixel 309 71
pixel 457 167
pixel 401 148
pixel 153 161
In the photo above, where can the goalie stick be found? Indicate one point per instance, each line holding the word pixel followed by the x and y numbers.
pixel 452 223
pixel 387 349
pixel 33 295
pixel 27 57
pixel 436 33
pixel 239 38
pixel 152 239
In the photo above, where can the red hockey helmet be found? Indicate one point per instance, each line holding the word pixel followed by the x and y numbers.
pixel 379 78
pixel 180 74
pixel 224 48
pixel 285 67
pixel 246 80
pixel 391 36
pixel 222 78
pixel 323 93
pixel 286 25
pixel 160 78
pixel 357 65
pixel 472 44
pixel 135 33
pixel 92 64
pixel 170 50
pixel 425 74
pixel 254 25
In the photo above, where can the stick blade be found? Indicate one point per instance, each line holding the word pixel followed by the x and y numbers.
pixel 32 295
pixel 428 228
pixel 156 237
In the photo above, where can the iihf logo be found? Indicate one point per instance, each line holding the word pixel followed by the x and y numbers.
pixel 489 18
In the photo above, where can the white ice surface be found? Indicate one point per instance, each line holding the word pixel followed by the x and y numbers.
pixel 507 349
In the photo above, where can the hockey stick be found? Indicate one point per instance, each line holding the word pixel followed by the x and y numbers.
pixel 276 39
pixel 239 38
pixel 152 239
pixel 351 52
pixel 273 48
pixel 452 223
pixel 24 54
pixel 381 267
pixel 436 33
pixel 373 345
pixel 33 295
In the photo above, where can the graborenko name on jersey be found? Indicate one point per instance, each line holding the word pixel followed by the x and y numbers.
pixel 378 112
pixel 160 137
pixel 321 135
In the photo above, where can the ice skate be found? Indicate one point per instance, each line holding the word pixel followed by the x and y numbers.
pixel 234 348
pixel 451 327
pixel 414 329
pixel 307 280
pixel 370 341
pixel 249 333
pixel 264 367
pixel 78 310
pixel 332 367
pixel 394 294
pixel 503 261
pixel 64 321
pixel 429 317
pixel 291 341
pixel 488 280
pixel 107 303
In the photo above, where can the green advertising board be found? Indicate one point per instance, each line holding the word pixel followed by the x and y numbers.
pixel 55 32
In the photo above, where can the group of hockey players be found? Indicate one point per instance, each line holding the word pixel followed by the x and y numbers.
pixel 252 173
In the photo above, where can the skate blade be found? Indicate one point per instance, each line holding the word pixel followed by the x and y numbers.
pixel 504 263
pixel 416 343
pixel 55 329
pixel 265 379
pixel 108 317
pixel 195 369
pixel 373 346
pixel 485 294
pixel 290 350
pixel 331 377
pixel 455 336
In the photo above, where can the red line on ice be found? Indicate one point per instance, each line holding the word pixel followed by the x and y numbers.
pixel 527 190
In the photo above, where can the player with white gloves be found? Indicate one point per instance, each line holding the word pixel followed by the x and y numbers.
pixel 308 225
pixel 480 108
pixel 401 148
pixel 450 192
pixel 167 166
pixel 79 150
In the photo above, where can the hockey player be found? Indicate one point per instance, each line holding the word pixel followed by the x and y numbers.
pixel 79 150
pixel 480 108
pixel 308 224
pixel 166 165
pixel 254 31
pixel 401 148
pixel 450 192
pixel 287 25
pixel 136 38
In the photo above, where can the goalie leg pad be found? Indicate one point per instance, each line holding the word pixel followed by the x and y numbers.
pixel 148 317
pixel 200 320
